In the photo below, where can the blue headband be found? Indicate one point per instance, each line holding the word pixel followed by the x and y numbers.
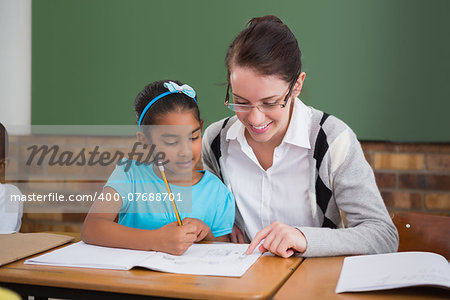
pixel 173 89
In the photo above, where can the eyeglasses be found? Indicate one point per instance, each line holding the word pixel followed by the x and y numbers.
pixel 264 108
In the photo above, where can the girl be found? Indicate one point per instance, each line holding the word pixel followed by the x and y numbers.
pixel 138 193
pixel 293 169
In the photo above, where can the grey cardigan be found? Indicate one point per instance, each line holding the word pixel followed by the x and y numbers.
pixel 341 182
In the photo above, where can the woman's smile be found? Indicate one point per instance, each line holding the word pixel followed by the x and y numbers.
pixel 261 129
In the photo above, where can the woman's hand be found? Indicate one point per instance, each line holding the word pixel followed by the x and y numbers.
pixel 237 236
pixel 201 229
pixel 280 239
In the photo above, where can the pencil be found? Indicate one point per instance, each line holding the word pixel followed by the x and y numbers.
pixel 161 168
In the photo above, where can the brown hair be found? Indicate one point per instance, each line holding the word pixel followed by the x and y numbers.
pixel 268 46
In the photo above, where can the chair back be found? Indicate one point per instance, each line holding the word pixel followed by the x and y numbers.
pixel 423 232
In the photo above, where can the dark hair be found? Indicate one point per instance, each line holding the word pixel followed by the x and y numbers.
pixel 268 46
pixel 170 103
pixel 3 142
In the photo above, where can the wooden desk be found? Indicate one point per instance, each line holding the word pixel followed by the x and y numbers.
pixel 261 281
pixel 316 278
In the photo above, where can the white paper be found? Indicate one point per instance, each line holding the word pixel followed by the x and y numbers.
pixel 388 271
pixel 205 259
pixel 224 259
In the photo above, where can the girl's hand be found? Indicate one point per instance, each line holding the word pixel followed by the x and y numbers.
pixel 280 239
pixel 174 239
pixel 202 230
pixel 237 236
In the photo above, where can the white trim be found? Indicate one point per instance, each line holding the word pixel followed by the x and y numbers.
pixel 338 152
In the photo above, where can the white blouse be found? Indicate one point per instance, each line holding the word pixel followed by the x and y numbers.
pixel 281 192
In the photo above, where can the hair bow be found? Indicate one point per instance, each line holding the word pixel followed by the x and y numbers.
pixel 175 88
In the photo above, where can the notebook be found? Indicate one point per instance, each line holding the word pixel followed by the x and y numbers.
pixel 16 246
pixel 393 270
pixel 221 259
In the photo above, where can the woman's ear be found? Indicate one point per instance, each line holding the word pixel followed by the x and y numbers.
pixel 201 125
pixel 299 84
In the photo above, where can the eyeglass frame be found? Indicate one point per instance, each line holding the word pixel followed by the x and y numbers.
pixel 282 105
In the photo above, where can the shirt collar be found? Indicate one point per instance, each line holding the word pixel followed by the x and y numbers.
pixel 235 130
pixel 298 130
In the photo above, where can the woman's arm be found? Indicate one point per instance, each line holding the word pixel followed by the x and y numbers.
pixel 100 229
pixel 369 228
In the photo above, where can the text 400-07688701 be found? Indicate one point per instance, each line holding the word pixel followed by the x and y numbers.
pixel 141 197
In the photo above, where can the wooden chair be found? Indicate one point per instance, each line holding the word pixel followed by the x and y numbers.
pixel 423 232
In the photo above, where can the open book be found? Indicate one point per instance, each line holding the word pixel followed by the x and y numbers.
pixel 393 270
pixel 221 259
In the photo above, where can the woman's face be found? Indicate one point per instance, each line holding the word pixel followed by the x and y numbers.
pixel 251 88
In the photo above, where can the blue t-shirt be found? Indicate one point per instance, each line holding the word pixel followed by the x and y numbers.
pixel 146 203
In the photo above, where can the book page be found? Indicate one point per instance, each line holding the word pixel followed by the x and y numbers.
pixel 89 256
pixel 388 271
pixel 223 259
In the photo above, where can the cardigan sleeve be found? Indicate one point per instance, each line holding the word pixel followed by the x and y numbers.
pixel 369 228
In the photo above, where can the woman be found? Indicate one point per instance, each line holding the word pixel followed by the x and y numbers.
pixel 294 170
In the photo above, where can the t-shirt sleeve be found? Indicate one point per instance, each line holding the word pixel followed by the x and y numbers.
pixel 121 182
pixel 224 216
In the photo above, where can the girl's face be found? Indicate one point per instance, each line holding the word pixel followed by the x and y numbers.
pixel 178 136
pixel 252 88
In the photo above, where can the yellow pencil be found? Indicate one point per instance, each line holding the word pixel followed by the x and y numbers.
pixel 161 169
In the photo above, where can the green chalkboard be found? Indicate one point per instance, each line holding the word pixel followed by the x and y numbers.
pixel 381 66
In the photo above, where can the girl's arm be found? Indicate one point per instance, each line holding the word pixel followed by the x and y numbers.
pixel 100 229
pixel 204 232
